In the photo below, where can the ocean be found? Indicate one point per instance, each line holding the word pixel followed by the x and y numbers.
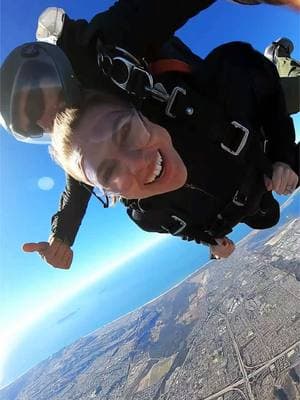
pixel 139 281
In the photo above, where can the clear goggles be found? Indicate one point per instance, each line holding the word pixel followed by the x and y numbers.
pixel 37 90
pixel 125 136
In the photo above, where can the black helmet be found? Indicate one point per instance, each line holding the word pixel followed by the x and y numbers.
pixel 282 47
pixel 26 75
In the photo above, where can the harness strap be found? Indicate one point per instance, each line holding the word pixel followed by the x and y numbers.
pixel 181 102
pixel 168 220
pixel 246 198
pixel 186 103
pixel 234 137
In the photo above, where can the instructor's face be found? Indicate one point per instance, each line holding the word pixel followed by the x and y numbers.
pixel 39 106
pixel 125 153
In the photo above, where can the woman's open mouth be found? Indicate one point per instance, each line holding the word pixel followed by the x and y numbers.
pixel 158 169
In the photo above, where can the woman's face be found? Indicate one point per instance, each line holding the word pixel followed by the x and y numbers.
pixel 126 154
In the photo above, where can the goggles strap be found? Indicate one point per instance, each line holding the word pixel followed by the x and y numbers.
pixel 105 203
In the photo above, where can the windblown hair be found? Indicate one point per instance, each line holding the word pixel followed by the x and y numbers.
pixel 63 149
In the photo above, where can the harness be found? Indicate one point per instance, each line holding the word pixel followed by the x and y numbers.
pixel 140 81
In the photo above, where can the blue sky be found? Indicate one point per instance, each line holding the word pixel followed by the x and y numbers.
pixel 28 286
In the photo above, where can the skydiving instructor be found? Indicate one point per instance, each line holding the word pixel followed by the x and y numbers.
pixel 128 25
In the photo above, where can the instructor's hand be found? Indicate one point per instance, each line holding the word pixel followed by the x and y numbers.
pixel 223 249
pixel 284 179
pixel 295 4
pixel 55 252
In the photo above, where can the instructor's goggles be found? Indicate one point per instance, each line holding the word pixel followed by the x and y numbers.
pixel 36 86
pixel 37 82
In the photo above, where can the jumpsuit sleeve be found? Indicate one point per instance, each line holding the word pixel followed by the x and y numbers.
pixel 140 26
pixel 73 203
pixel 143 26
pixel 278 124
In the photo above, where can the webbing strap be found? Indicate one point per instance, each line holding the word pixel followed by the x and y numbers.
pixel 246 200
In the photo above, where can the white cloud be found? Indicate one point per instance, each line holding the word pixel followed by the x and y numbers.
pixel 46 183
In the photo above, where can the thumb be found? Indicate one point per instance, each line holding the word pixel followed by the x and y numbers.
pixel 30 247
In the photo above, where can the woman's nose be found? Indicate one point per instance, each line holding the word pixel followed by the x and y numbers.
pixel 138 161
pixel 133 166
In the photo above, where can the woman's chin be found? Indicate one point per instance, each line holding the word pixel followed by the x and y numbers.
pixel 175 180
pixel 173 177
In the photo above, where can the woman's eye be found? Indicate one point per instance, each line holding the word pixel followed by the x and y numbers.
pixel 107 175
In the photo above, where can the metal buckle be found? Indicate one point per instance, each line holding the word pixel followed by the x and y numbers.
pixel 102 60
pixel 238 201
pixel 175 91
pixel 242 142
pixel 181 222
pixel 106 63
pixel 158 92
pixel 130 67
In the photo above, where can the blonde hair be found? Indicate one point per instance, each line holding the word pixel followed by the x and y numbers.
pixel 63 149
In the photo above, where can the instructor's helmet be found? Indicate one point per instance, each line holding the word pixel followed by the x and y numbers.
pixel 36 81
pixel 281 47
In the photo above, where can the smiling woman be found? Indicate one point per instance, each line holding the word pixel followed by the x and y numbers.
pixel 145 164
pixel 114 147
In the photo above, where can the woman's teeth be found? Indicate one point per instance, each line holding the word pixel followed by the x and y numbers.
pixel 157 170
